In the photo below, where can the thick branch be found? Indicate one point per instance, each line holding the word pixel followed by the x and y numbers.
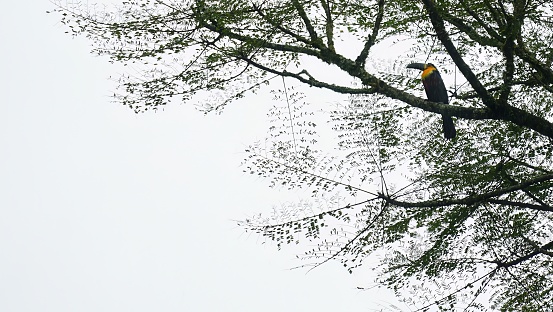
pixel 545 248
pixel 508 113
pixel 497 41
pixel 504 111
pixel 525 190
pixel 441 32
pixel 521 205
pixel 383 88
pixel 469 200
pixel 523 118
pixel 310 80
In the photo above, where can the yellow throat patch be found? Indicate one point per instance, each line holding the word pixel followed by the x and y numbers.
pixel 427 71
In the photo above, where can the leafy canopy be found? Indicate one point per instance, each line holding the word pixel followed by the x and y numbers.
pixel 466 223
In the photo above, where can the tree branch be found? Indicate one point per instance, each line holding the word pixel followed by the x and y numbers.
pixel 471 32
pixel 280 27
pixel 542 249
pixel 512 32
pixel 471 95
pixel 504 111
pixel 546 74
pixel 482 24
pixel 521 205
pixel 315 40
pixel 259 42
pixel 525 190
pixel 360 60
pixel 469 200
pixel 310 80
pixel 441 32
pixel 329 25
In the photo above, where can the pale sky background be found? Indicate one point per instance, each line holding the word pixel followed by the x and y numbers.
pixel 106 210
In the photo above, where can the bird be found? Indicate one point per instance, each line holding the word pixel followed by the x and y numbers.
pixel 436 92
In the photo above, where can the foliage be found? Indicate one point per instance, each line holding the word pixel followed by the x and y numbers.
pixel 465 223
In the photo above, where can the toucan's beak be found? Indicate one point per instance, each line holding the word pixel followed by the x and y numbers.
pixel 419 66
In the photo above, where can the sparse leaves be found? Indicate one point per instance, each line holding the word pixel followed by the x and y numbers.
pixel 451 221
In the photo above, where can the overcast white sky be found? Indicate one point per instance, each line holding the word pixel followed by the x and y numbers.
pixel 105 210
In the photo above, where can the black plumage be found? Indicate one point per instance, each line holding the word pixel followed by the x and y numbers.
pixel 436 92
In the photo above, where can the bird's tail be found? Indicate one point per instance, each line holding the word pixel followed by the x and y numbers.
pixel 449 127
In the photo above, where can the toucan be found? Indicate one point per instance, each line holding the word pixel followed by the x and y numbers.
pixel 435 92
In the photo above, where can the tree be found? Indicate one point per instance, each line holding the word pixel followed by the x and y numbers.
pixel 473 216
